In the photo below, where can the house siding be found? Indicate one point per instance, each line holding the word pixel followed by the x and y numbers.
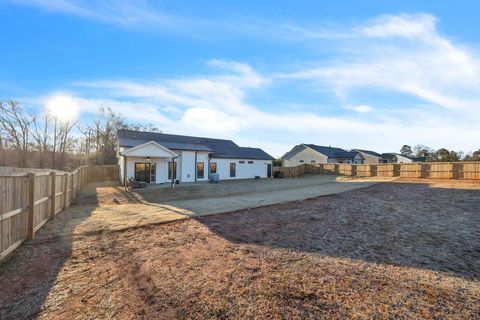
pixel 243 170
pixel 306 154
pixel 370 159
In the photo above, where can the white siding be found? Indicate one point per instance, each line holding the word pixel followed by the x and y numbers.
pixel 161 168
pixel 243 170
pixel 304 155
pixel 188 168
pixel 402 159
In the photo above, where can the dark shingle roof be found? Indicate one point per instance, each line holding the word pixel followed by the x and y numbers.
pixel 220 148
pixel 333 152
pixel 372 153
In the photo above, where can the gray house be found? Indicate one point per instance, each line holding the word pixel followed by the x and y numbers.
pixel 311 153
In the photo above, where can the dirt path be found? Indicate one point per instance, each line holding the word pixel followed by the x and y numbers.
pixel 107 208
pixel 395 250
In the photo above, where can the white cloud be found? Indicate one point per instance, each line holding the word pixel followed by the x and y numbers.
pixel 403 25
pixel 130 14
pixel 393 54
pixel 360 108
pixel 423 63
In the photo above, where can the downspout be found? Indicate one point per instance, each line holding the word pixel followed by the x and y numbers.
pixel 196 153
pixel 125 172
pixel 174 171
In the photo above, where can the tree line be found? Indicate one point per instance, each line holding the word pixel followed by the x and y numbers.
pixel 42 140
pixel 441 155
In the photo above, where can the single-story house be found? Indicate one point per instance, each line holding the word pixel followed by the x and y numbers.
pixel 160 158
pixel 310 153
pixel 370 157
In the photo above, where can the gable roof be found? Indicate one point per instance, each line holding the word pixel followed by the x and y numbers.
pixel 332 152
pixel 141 146
pixel 219 148
pixel 372 153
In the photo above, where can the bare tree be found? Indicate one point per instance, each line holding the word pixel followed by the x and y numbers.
pixel 2 152
pixel 15 126
pixel 66 141
pixel 41 136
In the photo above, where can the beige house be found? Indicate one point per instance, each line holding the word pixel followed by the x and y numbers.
pixel 312 154
pixel 370 157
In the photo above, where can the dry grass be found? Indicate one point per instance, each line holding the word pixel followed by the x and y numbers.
pixel 389 251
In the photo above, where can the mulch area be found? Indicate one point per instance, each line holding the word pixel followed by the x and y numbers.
pixel 394 250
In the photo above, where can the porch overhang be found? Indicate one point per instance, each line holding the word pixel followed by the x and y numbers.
pixel 149 149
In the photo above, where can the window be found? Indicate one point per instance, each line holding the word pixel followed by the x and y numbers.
pixel 152 172
pixel 172 165
pixel 250 162
pixel 233 169
pixel 300 161
pixel 213 167
pixel 313 161
pixel 143 172
pixel 200 170
pixel 241 161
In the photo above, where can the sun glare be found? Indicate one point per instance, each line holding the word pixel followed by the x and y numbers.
pixel 62 107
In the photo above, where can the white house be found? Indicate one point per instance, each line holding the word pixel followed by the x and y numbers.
pixel 160 158
pixel 399 158
pixel 310 153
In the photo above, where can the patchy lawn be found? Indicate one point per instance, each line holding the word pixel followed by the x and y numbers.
pixel 393 250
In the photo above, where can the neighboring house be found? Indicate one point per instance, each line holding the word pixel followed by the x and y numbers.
pixel 370 157
pixel 160 158
pixel 310 153
pixel 399 158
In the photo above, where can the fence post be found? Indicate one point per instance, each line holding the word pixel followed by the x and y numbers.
pixel 336 168
pixel 65 190
pixel 419 170
pixel 31 205
pixel 353 169
pixel 395 170
pixel 457 169
pixel 53 176
pixel 72 195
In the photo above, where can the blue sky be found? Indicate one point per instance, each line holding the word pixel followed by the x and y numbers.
pixel 354 74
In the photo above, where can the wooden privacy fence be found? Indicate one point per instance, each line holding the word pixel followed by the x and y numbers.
pixel 434 170
pixel 29 200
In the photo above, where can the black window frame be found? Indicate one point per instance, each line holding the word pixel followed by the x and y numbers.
pixel 202 170
pixel 213 164
pixel 170 170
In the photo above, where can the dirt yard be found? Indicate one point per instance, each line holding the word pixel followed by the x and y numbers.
pixel 108 208
pixel 393 250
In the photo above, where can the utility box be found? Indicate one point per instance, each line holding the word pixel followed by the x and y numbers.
pixel 213 178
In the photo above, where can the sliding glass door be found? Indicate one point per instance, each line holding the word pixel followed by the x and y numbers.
pixel 145 171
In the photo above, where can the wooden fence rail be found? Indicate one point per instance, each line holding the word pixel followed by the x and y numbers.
pixel 29 199
pixel 433 170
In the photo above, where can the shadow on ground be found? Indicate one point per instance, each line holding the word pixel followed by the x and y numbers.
pixel 32 270
pixel 403 224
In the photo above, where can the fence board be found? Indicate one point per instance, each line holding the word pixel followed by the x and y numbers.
pixel 15 203
pixel 434 170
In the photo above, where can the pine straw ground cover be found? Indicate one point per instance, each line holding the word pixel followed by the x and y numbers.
pixel 398 251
